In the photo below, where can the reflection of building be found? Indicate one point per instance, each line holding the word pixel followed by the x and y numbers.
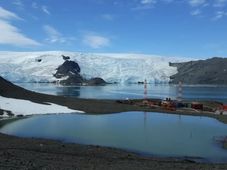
pixel 145 119
pixel 180 91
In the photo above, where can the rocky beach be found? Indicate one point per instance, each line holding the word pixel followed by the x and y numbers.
pixel 24 154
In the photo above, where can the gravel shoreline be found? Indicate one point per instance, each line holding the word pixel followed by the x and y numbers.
pixel 29 153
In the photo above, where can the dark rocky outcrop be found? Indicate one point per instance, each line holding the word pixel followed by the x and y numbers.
pixel 73 80
pixel 70 70
pixel 96 81
pixel 65 57
pixel 38 60
pixel 210 71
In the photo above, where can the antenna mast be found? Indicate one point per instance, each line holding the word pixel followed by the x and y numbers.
pixel 145 89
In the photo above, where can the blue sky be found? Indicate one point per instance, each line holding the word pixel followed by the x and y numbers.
pixel 188 28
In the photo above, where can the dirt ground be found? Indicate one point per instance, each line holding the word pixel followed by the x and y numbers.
pixel 23 153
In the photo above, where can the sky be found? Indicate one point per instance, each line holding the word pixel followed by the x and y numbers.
pixel 187 28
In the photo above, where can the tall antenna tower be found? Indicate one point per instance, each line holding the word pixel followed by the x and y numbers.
pixel 180 91
pixel 145 89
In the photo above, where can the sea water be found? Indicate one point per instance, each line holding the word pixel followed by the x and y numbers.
pixel 132 91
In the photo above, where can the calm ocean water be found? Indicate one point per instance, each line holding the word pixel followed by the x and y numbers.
pixel 218 93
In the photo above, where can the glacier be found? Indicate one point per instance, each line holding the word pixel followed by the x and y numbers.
pixel 112 67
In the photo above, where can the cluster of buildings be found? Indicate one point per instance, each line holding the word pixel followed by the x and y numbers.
pixel 171 105
pixel 178 104
pixel 222 110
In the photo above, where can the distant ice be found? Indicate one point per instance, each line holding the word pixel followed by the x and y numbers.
pixel 121 68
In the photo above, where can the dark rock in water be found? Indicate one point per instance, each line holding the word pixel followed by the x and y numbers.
pixel 210 71
pixel 65 57
pixel 140 82
pixel 76 79
pixel 69 73
pixel 96 81
pixel 68 68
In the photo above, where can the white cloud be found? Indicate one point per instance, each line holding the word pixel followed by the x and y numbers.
pixel 195 3
pixel 196 12
pixel 219 15
pixel 5 14
pixel 40 7
pixel 107 17
pixel 144 5
pixel 55 36
pixel 10 34
pixel 146 2
pixel 167 1
pixel 45 10
pixel 18 3
pixel 96 41
pixel 35 5
pixel 220 3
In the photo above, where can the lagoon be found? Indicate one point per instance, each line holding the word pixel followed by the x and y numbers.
pixel 153 134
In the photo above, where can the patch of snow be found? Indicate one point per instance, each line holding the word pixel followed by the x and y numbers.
pixel 5 114
pixel 121 68
pixel 25 107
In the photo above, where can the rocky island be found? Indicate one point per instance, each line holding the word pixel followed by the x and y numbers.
pixel 69 74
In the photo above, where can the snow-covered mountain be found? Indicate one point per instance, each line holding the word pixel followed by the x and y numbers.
pixel 121 68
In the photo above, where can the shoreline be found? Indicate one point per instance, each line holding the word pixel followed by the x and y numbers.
pixel 101 106
pixel 33 153
pixel 90 106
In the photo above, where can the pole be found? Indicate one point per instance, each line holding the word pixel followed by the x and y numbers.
pixel 145 89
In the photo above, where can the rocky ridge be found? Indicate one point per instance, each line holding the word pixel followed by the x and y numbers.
pixel 209 71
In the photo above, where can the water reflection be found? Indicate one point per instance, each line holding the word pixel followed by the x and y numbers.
pixel 68 91
pixel 218 93
pixel 150 133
